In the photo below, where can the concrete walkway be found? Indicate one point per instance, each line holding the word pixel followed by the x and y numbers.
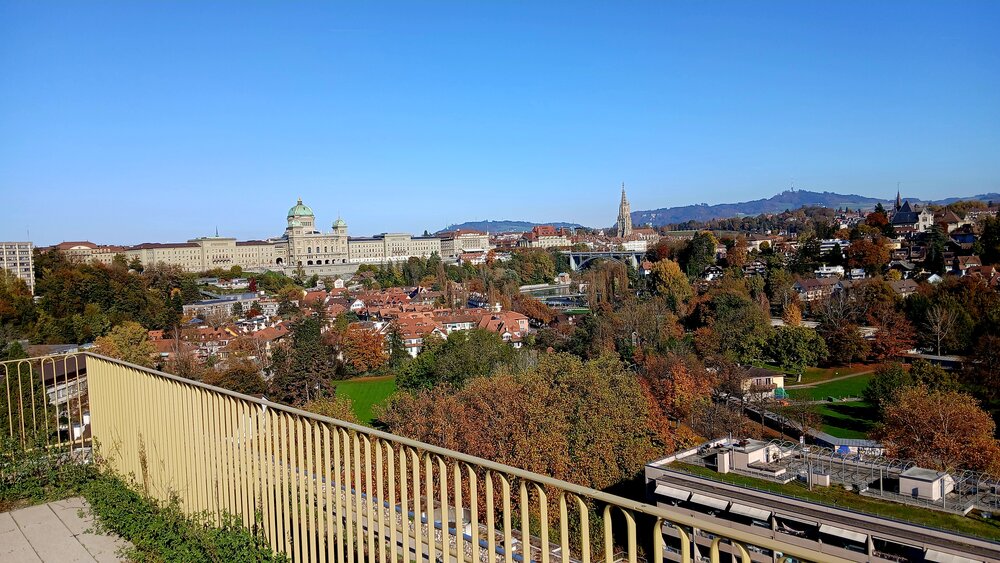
pixel 54 532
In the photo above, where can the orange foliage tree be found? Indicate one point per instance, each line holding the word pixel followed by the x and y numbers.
pixel 364 348
pixel 586 422
pixel 944 430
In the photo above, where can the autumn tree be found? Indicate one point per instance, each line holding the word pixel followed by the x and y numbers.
pixel 894 334
pixel 779 288
pixel 872 254
pixel 128 342
pixel 672 284
pixel 678 385
pixel 737 255
pixel 943 430
pixel 240 376
pixel 586 422
pixel 339 407
pixel 839 328
pixel 364 348
pixel 533 308
pixel 791 314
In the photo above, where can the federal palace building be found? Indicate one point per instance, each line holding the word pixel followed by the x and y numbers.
pixel 302 244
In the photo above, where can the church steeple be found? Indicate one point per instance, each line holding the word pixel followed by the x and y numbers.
pixel 899 200
pixel 624 216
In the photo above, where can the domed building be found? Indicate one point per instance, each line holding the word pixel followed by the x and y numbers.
pixel 306 246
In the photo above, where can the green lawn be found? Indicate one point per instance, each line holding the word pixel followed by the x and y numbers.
pixel 367 392
pixel 851 387
pixel 815 375
pixel 973 524
pixel 853 419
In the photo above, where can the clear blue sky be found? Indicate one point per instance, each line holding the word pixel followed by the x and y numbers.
pixel 158 121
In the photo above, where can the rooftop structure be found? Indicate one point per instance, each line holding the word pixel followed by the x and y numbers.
pixel 786 488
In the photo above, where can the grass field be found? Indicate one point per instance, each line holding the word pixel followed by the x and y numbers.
pixel 367 392
pixel 853 419
pixel 973 525
pixel 815 375
pixel 851 387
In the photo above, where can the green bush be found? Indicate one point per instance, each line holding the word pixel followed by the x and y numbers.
pixel 34 474
pixel 162 532
pixel 157 531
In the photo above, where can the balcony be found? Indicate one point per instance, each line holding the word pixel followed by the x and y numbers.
pixel 323 490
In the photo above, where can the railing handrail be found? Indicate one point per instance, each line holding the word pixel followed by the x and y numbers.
pixel 582 492
pixel 431 448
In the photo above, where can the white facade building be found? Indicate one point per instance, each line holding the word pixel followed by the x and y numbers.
pixel 15 257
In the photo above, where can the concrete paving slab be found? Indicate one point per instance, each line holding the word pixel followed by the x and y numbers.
pixel 14 548
pixel 7 523
pixel 55 532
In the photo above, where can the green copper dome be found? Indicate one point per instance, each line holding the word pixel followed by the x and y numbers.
pixel 339 223
pixel 300 210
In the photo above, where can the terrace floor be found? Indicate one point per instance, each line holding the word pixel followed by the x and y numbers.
pixel 54 532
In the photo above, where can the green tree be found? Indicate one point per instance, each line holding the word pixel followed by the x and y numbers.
pixel 936 246
pixel 989 240
pixel 888 380
pixel 795 347
pixel 699 253
pixel 17 307
pixel 462 356
pixel 933 377
pixel 397 348
pixel 737 327
pixel 304 370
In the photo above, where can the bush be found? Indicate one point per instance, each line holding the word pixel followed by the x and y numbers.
pixel 157 531
pixel 161 532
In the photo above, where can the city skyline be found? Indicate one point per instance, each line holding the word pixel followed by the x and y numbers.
pixel 415 117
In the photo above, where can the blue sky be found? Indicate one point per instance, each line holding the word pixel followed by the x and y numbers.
pixel 158 121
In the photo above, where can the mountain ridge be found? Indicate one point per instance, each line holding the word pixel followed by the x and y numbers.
pixel 786 200
pixel 504 226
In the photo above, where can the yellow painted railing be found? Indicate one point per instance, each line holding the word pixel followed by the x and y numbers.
pixel 325 490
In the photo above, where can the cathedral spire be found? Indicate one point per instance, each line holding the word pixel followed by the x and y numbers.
pixel 624 216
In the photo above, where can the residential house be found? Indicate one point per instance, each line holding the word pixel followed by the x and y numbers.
pixel 961 264
pixel 815 289
pixel 904 288
pixel 764 381
pixel 912 219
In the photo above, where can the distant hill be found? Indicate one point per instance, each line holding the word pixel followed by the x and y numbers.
pixel 503 226
pixel 789 199
pixel 992 196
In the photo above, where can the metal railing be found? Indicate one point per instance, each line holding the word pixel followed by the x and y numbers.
pixel 325 490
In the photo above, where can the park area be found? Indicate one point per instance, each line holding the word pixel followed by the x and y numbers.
pixel 838 388
pixel 847 419
pixel 365 393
